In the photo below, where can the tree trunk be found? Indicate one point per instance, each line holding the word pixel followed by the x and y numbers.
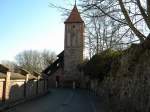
pixel 143 13
pixel 146 43
pixel 131 25
pixel 148 12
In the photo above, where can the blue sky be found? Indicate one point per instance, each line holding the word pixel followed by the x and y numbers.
pixel 30 24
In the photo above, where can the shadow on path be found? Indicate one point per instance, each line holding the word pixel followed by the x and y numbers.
pixel 62 100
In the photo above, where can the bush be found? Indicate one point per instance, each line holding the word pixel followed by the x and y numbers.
pixel 100 64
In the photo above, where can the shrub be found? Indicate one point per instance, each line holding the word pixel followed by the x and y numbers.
pixel 100 64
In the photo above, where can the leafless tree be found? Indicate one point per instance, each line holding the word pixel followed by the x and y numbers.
pixel 107 26
pixel 112 23
pixel 33 60
pixel 130 13
pixel 47 58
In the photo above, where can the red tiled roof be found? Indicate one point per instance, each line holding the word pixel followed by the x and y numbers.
pixel 74 16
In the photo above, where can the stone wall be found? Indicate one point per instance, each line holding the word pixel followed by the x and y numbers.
pixel 52 79
pixel 31 87
pixel 40 86
pixel 73 51
pixel 15 87
pixel 16 90
pixel 1 90
pixel 128 88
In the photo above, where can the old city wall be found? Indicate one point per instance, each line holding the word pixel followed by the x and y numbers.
pixel 127 88
pixel 20 88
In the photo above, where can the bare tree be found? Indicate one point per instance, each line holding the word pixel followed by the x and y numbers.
pixel 33 60
pixel 102 32
pixel 47 58
pixel 123 12
pixel 106 25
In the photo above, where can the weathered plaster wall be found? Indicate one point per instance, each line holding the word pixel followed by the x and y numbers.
pixel 31 87
pixel 40 86
pixel 16 90
pixel 1 89
pixel 73 51
pixel 52 78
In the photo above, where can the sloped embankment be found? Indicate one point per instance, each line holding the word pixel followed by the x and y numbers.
pixel 127 88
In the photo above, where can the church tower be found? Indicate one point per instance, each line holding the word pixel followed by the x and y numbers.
pixel 73 46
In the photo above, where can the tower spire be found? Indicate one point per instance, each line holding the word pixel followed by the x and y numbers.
pixel 74 16
pixel 75 2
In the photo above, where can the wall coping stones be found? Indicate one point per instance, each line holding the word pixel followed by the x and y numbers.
pixel 3 69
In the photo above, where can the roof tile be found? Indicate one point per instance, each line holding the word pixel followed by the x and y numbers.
pixel 74 16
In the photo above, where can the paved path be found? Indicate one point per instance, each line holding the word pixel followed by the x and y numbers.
pixel 61 100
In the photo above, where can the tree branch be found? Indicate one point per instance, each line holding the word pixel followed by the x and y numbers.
pixel 148 11
pixel 145 16
pixel 109 15
pixel 131 25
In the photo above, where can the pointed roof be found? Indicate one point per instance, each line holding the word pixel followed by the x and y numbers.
pixel 74 16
